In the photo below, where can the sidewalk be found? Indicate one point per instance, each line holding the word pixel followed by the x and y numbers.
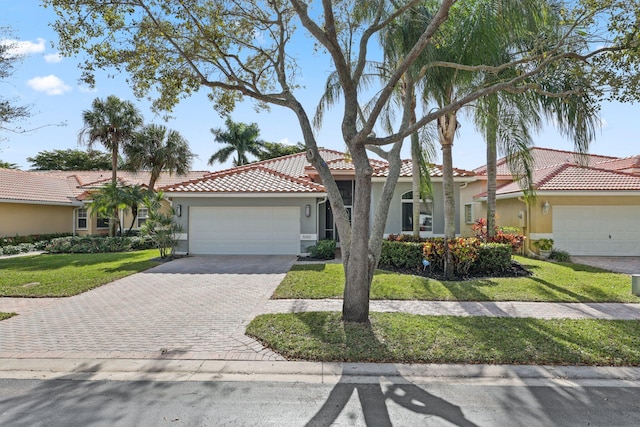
pixel 540 310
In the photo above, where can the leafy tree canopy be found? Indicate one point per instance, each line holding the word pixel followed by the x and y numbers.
pixel 10 111
pixel 7 165
pixel 70 159
pixel 271 150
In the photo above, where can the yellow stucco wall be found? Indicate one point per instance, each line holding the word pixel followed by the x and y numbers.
pixel 536 222
pixel 25 219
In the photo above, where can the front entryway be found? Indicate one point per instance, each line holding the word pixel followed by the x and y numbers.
pixel 260 230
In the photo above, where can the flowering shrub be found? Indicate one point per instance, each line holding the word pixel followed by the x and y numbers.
pixel 507 235
pixel 464 252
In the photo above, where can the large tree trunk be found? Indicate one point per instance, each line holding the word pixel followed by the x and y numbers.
pixel 492 158
pixel 357 267
pixel 447 125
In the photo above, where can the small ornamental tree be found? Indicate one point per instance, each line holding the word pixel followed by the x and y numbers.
pixel 161 226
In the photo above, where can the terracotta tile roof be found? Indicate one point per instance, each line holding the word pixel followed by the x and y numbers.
pixel 87 179
pixel 546 157
pixel 625 164
pixel 570 177
pixel 288 174
pixel 16 185
pixel 253 179
pixel 406 170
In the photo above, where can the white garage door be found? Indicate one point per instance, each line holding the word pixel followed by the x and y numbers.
pixel 244 230
pixel 597 230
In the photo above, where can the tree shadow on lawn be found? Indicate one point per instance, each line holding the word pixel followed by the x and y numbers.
pixel 374 394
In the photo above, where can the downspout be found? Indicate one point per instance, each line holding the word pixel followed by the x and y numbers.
pixel 73 221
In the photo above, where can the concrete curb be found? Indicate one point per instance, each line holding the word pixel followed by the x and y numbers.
pixel 310 372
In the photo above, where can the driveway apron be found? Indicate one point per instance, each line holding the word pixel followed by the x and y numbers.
pixel 190 308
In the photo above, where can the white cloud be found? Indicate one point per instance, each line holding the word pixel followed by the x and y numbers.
pixel 23 48
pixel 52 58
pixel 51 85
pixel 285 141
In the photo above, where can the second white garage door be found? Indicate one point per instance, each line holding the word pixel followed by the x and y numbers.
pixel 597 230
pixel 244 230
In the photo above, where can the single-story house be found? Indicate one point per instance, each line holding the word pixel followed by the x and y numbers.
pixel 280 206
pixel 588 205
pixel 47 202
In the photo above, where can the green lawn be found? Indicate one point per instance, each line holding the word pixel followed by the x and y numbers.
pixel 62 275
pixel 406 338
pixel 552 282
pixel 6 315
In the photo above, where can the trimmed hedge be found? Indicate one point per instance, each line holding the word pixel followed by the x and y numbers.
pixel 32 238
pixel 324 249
pixel 470 255
pixel 398 254
pixel 98 244
pixel 493 258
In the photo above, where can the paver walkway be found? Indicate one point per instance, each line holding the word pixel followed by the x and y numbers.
pixel 191 308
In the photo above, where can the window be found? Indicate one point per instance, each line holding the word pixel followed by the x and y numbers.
pixel 468 213
pixel 82 219
pixel 143 215
pixel 426 213
pixel 103 222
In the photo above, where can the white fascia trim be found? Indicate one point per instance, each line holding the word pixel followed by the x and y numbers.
pixel 433 179
pixel 37 202
pixel 177 195
pixel 576 193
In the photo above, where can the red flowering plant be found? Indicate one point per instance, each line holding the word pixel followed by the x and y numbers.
pixel 507 235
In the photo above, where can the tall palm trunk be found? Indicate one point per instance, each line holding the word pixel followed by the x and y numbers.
pixel 491 138
pixel 114 179
pixel 447 125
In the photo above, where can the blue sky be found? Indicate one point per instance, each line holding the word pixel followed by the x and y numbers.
pixel 49 84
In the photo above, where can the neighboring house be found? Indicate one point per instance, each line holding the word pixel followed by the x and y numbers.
pixel 588 205
pixel 45 202
pixel 280 206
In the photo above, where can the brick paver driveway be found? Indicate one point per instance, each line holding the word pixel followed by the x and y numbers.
pixel 190 308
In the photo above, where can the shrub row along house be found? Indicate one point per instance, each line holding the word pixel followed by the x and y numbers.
pixel 279 206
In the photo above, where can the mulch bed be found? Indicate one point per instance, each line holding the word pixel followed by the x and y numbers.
pixel 516 270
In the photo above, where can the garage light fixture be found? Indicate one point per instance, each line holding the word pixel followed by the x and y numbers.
pixel 545 208
pixel 178 210
pixel 307 211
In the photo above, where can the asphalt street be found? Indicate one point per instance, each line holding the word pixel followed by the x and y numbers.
pixel 387 402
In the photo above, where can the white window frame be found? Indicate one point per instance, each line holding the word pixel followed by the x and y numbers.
pixel 403 200
pixel 468 213
pixel 82 213
pixel 142 217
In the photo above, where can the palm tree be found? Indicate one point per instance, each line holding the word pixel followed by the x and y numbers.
pixel 111 122
pixel 239 138
pixel 506 119
pixel 157 149
pixel 107 202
